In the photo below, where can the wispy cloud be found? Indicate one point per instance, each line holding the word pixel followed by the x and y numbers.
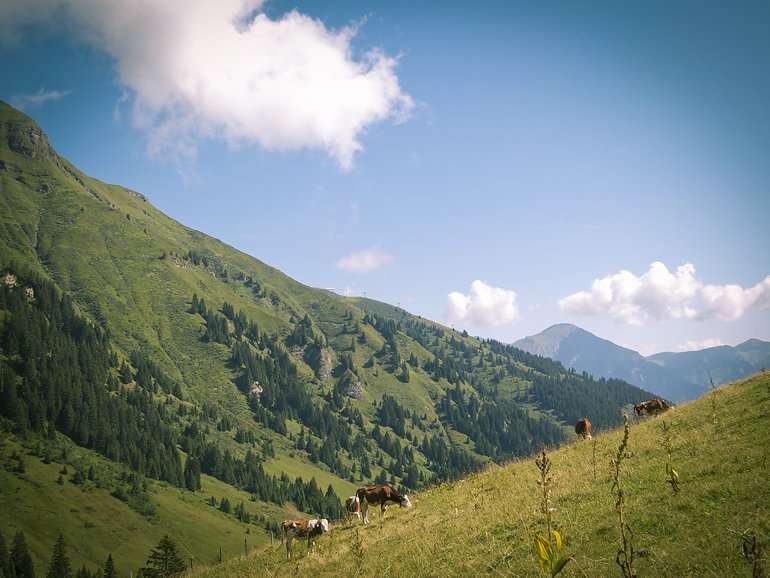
pixel 660 294
pixel 365 261
pixel 698 344
pixel 35 99
pixel 482 306
pixel 226 69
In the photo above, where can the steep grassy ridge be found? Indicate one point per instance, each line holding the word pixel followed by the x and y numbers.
pixel 486 524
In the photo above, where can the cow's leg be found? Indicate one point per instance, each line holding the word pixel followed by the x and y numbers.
pixel 365 511
pixel 289 540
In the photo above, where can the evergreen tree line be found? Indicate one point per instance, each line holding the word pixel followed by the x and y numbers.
pixel 392 415
pixel 447 461
pixel 164 561
pixel 263 360
pixel 502 429
pixel 572 396
pixel 150 377
pixel 248 474
pixel 568 394
pixel 17 562
pixel 58 374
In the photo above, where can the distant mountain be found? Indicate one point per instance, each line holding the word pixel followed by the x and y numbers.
pixel 675 376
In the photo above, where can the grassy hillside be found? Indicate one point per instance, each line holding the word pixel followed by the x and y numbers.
pixel 486 524
pixel 96 524
pixel 349 391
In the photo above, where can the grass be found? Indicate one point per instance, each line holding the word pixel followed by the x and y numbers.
pixel 486 524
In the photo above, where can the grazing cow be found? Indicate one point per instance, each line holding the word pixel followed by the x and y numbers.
pixel 651 407
pixel 309 529
pixel 381 494
pixel 583 429
pixel 353 507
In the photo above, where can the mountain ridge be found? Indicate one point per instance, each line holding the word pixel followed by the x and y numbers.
pixel 674 375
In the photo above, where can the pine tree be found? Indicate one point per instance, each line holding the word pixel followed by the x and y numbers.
pixel 20 558
pixel 109 568
pixel 192 474
pixel 5 561
pixel 60 563
pixel 164 560
pixel 404 373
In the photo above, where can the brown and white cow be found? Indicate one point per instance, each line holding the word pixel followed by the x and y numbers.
pixel 353 507
pixel 651 407
pixel 309 529
pixel 381 494
pixel 583 428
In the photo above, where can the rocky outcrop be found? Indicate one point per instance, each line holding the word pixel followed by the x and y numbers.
pixel 28 141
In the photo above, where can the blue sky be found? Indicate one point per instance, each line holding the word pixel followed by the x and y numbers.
pixel 534 147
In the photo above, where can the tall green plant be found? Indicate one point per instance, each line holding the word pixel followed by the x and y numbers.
pixel 625 555
pixel 713 398
pixel 549 547
pixel 667 442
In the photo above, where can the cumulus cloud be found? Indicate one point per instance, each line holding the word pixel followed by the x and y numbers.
pixel 225 69
pixel 663 294
pixel 698 344
pixel 482 306
pixel 365 261
pixel 39 98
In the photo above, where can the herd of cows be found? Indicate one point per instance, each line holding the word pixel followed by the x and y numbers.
pixel 385 494
pixel 356 506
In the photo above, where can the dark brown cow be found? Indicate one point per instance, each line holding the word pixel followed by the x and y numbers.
pixel 651 407
pixel 583 429
pixel 381 494
pixel 309 529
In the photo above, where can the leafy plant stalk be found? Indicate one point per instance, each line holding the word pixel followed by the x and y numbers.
pixel 625 556
pixel 549 547
pixel 671 473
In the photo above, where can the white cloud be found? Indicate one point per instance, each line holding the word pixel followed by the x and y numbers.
pixel 39 98
pixel 483 306
pixel 662 294
pixel 731 302
pixel 365 261
pixel 202 69
pixel 698 344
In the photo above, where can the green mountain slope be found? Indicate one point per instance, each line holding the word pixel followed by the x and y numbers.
pixel 253 378
pixel 486 524
pixel 675 376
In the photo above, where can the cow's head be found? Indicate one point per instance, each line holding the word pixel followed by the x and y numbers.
pixel 406 502
pixel 324 524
